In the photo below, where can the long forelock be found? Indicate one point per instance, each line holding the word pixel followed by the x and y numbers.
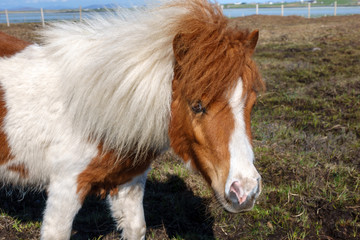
pixel 216 56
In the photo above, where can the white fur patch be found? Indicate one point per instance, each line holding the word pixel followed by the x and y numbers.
pixel 241 153
pixel 127 208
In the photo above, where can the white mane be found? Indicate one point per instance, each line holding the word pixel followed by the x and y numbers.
pixel 116 76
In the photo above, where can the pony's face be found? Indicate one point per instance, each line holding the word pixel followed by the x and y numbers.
pixel 211 131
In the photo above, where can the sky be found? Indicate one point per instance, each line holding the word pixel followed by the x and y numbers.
pixel 10 4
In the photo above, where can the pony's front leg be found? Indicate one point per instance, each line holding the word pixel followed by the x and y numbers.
pixel 61 207
pixel 127 208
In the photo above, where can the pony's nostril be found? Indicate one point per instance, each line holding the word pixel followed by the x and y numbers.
pixel 237 192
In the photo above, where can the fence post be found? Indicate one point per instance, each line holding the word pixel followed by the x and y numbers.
pixel 335 5
pixel 309 6
pixel 257 9
pixel 42 17
pixel 7 18
pixel 80 10
pixel 282 9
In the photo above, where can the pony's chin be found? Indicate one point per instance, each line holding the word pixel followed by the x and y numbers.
pixel 233 207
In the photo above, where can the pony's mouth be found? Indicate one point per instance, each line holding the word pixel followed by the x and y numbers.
pixel 232 203
pixel 236 207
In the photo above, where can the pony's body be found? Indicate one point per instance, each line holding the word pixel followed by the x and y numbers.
pixel 140 74
pixel 89 110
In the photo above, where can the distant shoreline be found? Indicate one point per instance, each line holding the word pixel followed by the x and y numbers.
pixel 54 11
pixel 224 6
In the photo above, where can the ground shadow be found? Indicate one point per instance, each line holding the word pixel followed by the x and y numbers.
pixel 92 221
pixel 170 205
pixel 21 207
pixel 173 206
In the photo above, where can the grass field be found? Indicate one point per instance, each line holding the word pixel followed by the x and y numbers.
pixel 306 138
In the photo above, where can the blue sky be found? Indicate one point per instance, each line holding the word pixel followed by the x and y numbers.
pixel 9 4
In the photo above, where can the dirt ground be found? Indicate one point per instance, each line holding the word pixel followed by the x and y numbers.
pixel 306 130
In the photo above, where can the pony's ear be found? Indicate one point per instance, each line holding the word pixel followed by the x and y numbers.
pixel 251 41
pixel 180 47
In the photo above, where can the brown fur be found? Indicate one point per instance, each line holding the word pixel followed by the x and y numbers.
pixel 5 152
pixel 10 45
pixel 202 133
pixel 106 172
pixel 20 169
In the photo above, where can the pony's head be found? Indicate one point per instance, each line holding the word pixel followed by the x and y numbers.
pixel 214 89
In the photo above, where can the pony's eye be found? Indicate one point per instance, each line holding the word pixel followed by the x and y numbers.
pixel 198 107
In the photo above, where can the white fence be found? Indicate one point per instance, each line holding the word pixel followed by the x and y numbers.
pixel 42 15
pixel 306 10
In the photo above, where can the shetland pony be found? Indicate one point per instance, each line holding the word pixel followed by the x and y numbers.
pixel 88 110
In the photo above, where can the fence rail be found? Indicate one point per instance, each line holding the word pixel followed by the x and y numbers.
pixel 307 10
pixel 43 15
